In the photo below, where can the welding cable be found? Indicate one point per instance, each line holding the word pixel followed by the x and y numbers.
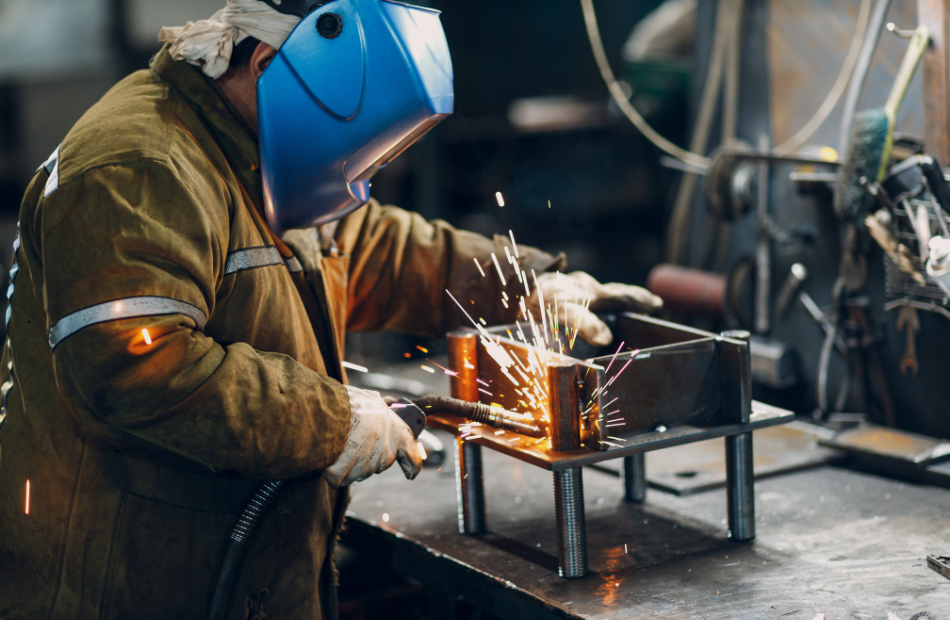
pixel 845 77
pixel 261 502
pixel 616 91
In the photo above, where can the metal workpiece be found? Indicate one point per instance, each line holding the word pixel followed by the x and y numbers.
pixel 469 487
pixel 633 476
pixel 564 407
pixel 735 378
pixel 469 483
pixel 571 523
pixel 740 487
pixel 463 360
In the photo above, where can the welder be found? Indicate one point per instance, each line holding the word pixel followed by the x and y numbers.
pixel 187 264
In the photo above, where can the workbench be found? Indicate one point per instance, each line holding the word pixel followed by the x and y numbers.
pixel 830 541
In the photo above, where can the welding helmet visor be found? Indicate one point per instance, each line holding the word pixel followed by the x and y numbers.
pixel 355 84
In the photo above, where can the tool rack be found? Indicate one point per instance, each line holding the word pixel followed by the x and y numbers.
pixel 677 385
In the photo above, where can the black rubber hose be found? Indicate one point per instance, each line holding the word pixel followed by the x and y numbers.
pixel 262 501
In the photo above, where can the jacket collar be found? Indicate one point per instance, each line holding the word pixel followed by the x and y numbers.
pixel 235 138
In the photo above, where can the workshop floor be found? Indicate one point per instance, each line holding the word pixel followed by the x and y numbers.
pixel 830 541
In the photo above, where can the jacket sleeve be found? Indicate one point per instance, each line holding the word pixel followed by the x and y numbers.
pixel 403 268
pixel 146 230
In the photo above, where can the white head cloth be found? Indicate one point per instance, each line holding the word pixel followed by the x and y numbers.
pixel 209 43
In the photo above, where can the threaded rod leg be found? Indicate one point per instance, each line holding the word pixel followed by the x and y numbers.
pixel 633 474
pixel 740 487
pixel 469 487
pixel 571 525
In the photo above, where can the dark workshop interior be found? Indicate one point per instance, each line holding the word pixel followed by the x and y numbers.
pixel 772 442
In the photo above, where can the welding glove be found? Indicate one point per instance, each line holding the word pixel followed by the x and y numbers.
pixel 570 292
pixel 378 437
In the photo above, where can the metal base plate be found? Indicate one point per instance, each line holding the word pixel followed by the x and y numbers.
pixel 538 452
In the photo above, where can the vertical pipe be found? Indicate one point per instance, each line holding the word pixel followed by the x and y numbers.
pixel 469 477
pixel 740 487
pixel 763 249
pixel 564 400
pixel 469 487
pixel 633 475
pixel 571 527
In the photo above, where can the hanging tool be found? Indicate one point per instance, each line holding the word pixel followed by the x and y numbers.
pixel 878 226
pixel 909 322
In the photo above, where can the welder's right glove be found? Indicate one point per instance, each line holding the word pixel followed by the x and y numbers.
pixel 378 437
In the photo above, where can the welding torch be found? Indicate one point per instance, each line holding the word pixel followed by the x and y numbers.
pixel 414 414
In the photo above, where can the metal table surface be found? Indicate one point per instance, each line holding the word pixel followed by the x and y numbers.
pixel 830 540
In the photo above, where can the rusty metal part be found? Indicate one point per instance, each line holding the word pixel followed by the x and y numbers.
pixel 469 482
pixel 463 360
pixel 564 407
pixel 689 291
pixel 936 77
pixel 490 415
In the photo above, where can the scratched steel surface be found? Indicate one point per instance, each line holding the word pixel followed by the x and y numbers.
pixel 830 541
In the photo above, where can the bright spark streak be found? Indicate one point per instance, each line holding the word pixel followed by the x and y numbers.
pixel 423 349
pixel 500 199
pixel 484 383
pixel 479 265
pixel 616 439
pixel 485 392
pixel 27 497
pixel 515 245
pixel 427 369
pixel 355 367
pixel 148 339
pixel 524 278
pixel 498 267
pixel 499 433
pixel 386 517
pixel 511 260
pixel 422 450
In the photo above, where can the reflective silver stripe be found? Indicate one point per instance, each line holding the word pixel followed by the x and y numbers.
pixel 8 384
pixel 52 167
pixel 293 265
pixel 117 309
pixel 252 258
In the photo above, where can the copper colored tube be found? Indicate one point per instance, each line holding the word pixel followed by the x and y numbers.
pixel 690 291
pixel 495 417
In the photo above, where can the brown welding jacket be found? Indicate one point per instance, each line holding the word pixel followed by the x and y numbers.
pixel 140 456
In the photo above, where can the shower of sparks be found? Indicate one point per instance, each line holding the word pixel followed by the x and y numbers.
pixel 356 367
pixel 148 339
pixel 546 328
pixel 479 265
pixel 501 275
pixel 500 199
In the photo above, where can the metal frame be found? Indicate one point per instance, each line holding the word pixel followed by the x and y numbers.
pixel 698 383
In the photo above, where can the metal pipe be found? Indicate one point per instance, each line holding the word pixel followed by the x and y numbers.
pixel 633 475
pixel 571 525
pixel 469 482
pixel 740 489
pixel 469 487
pixel 763 249
pixel 489 415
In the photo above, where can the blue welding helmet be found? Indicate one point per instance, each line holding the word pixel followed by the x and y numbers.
pixel 355 84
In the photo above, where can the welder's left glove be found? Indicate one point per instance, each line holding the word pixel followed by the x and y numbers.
pixel 571 291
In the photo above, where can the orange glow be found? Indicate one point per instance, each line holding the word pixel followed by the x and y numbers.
pixel 27 497
pixel 423 349
pixel 118 307
pixel 148 339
